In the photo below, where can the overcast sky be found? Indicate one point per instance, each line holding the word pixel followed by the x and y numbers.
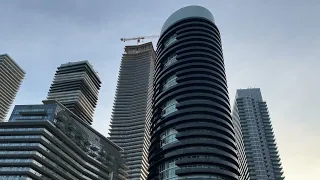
pixel 274 45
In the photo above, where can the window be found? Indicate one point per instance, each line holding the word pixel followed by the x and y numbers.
pixel 18 118
pixel 170 40
pixel 170 81
pixel 16 160
pixel 15 177
pixel 168 137
pixel 168 171
pixel 20 137
pixel 169 107
pixel 21 129
pixel 19 144
pixel 207 176
pixel 170 60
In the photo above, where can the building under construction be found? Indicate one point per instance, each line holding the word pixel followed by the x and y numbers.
pixel 131 115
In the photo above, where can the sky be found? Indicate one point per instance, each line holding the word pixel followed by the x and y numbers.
pixel 273 45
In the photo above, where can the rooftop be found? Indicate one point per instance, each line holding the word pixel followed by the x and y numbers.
pixel 186 12
pixel 81 62
pixel 6 56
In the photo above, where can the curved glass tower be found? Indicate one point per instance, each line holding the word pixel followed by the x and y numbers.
pixel 192 136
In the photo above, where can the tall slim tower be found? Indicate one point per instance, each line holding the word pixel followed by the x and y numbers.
pixel 192 135
pixel 11 76
pixel 244 172
pixel 261 154
pixel 132 109
pixel 76 85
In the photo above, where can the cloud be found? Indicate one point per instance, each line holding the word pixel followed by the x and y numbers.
pixel 273 45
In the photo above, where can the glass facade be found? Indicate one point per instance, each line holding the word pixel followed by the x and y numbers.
pixel 169 107
pixel 33 112
pixel 167 171
pixel 170 40
pixel 168 136
pixel 171 59
pixel 171 81
pixel 59 147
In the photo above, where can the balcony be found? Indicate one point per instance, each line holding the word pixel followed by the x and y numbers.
pixel 94 148
pixel 93 154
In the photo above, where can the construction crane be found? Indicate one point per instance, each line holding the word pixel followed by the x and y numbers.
pixel 139 38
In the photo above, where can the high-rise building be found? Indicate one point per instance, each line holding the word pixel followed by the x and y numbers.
pixel 256 138
pixel 132 111
pixel 244 172
pixel 76 85
pixel 11 76
pixel 47 141
pixel 192 135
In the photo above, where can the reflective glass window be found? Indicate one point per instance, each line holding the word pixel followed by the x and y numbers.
pixel 169 107
pixel 170 40
pixel 168 136
pixel 170 60
pixel 168 171
pixel 170 81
